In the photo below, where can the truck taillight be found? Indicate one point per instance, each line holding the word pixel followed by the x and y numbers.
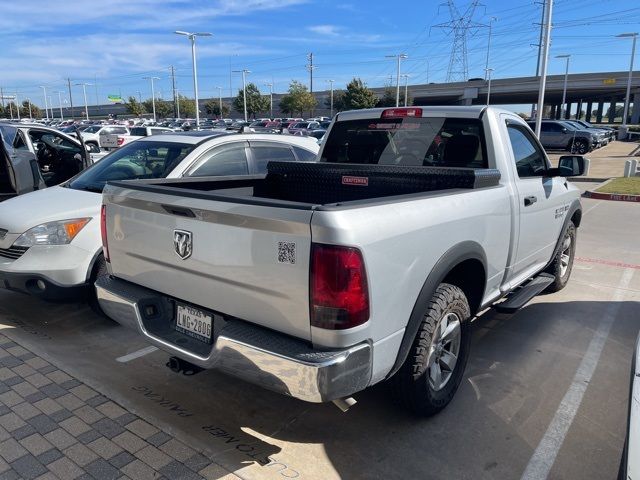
pixel 339 294
pixel 103 232
pixel 401 112
pixel 120 141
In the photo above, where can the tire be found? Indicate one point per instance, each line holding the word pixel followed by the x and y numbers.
pixel 580 146
pixel 562 264
pixel 417 386
pixel 99 269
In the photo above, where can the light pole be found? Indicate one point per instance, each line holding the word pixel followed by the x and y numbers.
pixel 564 88
pixel 270 85
pixel 192 37
pixel 60 104
pixel 29 103
pixel 331 84
pixel 487 74
pixel 543 69
pixel 84 91
pixel 244 89
pixel 51 106
pixel 153 95
pixel 634 35
pixel 406 87
pixel 46 107
pixel 399 57
pixel 17 105
pixel 486 65
pixel 220 99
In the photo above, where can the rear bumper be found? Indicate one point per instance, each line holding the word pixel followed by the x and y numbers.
pixel 263 357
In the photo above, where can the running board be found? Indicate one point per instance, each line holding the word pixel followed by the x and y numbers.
pixel 521 297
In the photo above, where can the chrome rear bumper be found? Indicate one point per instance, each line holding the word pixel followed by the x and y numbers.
pixel 258 355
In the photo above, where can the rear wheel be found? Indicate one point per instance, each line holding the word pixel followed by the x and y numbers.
pixel 562 264
pixel 431 374
pixel 99 270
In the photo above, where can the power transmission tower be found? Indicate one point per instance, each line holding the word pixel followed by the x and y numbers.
pixel 460 25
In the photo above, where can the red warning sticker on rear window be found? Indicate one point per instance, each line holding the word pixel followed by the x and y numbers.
pixel 360 181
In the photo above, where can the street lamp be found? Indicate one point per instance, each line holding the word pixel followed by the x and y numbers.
pixel 17 105
pixel 564 89
pixel 84 91
pixel 487 74
pixel 29 103
pixel 270 85
pixel 331 84
pixel 633 35
pixel 153 95
pixel 192 37
pixel 46 108
pixel 60 104
pixel 406 87
pixel 220 99
pixel 486 66
pixel 244 89
pixel 399 57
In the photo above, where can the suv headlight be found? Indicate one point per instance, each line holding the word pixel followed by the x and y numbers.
pixel 52 233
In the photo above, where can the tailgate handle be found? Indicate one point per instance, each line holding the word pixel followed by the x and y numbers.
pixel 179 211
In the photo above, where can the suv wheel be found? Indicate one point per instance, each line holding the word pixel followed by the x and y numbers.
pixel 431 374
pixel 580 146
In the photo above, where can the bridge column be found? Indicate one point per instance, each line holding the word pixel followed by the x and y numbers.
pixel 587 117
pixel 612 110
pixel 552 113
pixel 635 111
pixel 578 114
pixel 567 112
pixel 599 112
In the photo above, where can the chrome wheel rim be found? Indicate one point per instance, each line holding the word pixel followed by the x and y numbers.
pixel 565 255
pixel 444 351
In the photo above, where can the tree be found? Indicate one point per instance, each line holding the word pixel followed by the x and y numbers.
pixel 10 110
pixel 256 103
pixel 298 99
pixel 359 96
pixel 212 107
pixel 338 100
pixel 2 111
pixel 134 107
pixel 35 111
pixel 389 98
pixel 164 109
pixel 187 107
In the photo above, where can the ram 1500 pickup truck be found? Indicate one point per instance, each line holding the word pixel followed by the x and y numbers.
pixel 318 280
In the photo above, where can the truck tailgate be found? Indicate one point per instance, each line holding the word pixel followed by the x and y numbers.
pixel 247 261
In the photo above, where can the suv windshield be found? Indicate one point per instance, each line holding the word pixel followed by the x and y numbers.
pixel 433 142
pixel 133 161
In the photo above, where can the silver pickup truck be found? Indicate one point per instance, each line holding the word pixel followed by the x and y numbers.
pixel 319 280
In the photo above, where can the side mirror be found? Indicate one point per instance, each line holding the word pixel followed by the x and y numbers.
pixel 571 165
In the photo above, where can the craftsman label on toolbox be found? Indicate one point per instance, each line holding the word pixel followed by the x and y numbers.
pixel 194 322
pixel 360 181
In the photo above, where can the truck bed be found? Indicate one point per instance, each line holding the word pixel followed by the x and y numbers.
pixel 310 185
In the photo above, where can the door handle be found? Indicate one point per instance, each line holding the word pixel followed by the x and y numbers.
pixel 528 201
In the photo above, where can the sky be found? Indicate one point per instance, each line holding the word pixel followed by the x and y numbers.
pixel 113 44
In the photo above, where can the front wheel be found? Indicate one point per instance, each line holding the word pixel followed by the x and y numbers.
pixel 99 269
pixel 562 264
pixel 432 372
pixel 580 146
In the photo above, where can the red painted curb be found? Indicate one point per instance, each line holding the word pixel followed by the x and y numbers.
pixel 616 197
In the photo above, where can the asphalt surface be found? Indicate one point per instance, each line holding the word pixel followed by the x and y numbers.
pixel 544 396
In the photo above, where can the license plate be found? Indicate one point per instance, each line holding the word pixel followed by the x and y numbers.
pixel 194 322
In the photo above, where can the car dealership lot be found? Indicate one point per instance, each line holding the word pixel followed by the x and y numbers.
pixel 521 367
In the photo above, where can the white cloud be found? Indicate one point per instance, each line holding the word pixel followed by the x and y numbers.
pixel 337 32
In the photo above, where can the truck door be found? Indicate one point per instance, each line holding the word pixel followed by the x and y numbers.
pixel 540 201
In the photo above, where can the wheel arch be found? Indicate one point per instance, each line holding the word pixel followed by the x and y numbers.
pixel 459 266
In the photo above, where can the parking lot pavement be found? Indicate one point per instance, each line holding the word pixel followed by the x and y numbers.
pixel 606 162
pixel 544 396
pixel 54 426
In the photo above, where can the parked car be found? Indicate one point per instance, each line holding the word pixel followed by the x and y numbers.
pixel 33 157
pixel 554 134
pixel 50 244
pixel 94 134
pixel 303 128
pixel 610 131
pixel 602 137
pixel 630 465
pixel 117 140
pixel 322 279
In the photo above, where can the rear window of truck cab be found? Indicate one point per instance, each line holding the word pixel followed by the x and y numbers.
pixel 411 141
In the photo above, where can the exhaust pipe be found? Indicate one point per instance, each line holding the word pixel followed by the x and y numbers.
pixel 344 404
pixel 178 365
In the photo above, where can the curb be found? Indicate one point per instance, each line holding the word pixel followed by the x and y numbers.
pixel 615 197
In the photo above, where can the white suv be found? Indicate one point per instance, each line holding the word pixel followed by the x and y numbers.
pixel 94 134
pixel 50 244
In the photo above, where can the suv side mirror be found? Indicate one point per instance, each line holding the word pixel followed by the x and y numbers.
pixel 571 165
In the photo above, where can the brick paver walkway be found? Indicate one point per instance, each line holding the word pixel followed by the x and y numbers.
pixel 54 426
